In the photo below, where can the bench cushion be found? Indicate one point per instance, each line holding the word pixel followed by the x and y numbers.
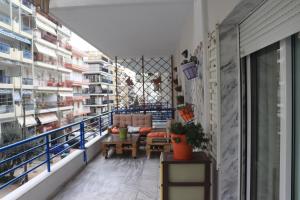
pixel 115 130
pixel 145 130
pixel 157 135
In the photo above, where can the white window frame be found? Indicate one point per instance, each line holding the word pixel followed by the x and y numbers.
pixel 285 61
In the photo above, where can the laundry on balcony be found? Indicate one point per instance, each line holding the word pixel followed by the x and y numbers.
pixel 45 50
pixel 47 118
pixel 29 121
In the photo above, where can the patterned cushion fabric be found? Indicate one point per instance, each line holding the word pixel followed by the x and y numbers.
pixel 115 130
pixel 145 130
pixel 122 120
pixel 157 135
pixel 142 120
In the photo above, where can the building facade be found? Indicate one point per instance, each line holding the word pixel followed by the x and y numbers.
pixel 101 83
pixel 41 75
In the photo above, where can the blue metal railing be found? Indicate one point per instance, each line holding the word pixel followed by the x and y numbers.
pixel 45 147
pixel 4 48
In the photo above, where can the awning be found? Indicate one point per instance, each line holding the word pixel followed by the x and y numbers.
pixel 47 118
pixel 29 121
pixel 45 50
pixel 46 28
pixel 14 36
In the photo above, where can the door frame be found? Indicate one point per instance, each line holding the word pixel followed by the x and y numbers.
pixel 285 176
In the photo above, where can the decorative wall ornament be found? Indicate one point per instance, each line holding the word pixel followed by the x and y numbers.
pixel 129 82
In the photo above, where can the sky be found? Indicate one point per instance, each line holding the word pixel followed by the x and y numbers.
pixel 80 43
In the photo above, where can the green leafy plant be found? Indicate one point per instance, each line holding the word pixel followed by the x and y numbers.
pixel 194 134
pixel 180 100
pixel 178 88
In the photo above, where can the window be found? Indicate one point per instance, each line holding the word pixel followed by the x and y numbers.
pixel 5 11
pixel 27 21
pixel 6 101
pixel 265 124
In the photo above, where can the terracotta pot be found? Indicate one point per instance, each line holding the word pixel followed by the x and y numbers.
pixel 182 150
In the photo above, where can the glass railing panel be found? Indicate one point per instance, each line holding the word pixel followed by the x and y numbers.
pixel 4 48
pixel 5 79
pixel 27 54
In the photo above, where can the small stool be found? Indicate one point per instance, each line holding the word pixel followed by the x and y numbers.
pixel 157 142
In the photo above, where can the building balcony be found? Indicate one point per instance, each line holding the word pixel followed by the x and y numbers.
pixel 5 80
pixel 27 81
pixel 78 68
pixel 6 109
pixel 66 83
pixel 107 101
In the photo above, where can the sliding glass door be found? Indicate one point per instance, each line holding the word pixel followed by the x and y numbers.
pixel 265 124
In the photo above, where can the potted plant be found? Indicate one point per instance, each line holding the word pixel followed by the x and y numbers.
pixel 180 99
pixel 175 81
pixel 185 138
pixel 178 88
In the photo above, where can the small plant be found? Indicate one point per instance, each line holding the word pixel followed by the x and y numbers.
pixel 175 81
pixel 180 99
pixel 193 132
pixel 178 88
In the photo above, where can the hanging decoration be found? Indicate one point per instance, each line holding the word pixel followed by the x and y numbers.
pixel 156 82
pixel 186 112
pixel 129 82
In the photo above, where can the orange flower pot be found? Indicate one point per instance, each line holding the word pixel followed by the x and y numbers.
pixel 181 149
pixel 186 113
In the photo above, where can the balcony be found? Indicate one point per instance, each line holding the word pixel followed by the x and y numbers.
pixel 106 81
pixel 5 79
pixel 4 48
pixel 27 81
pixel 27 3
pixel 6 109
pixel 108 101
pixel 27 54
pixel 49 38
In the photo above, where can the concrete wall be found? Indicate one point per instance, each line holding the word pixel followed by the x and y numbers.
pixel 45 185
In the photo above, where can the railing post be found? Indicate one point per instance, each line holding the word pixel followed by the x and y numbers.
pixel 111 118
pixel 48 153
pixel 82 141
pixel 100 125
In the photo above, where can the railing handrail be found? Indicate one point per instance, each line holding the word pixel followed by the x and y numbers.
pixel 2 149
pixel 61 144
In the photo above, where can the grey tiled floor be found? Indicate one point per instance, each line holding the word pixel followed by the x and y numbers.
pixel 116 178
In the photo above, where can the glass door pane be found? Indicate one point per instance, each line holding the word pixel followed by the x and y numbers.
pixel 265 125
pixel 297 116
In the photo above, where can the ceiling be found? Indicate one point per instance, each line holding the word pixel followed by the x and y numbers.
pixel 128 28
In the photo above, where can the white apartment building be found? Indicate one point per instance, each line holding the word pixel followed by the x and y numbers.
pixel 16 67
pixel 41 80
pixel 101 83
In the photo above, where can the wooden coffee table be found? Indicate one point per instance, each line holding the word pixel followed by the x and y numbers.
pixel 114 141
